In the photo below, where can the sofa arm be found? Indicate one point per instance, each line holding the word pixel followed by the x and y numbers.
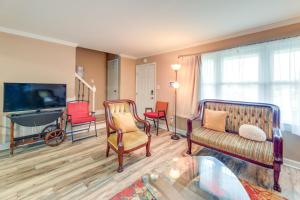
pixel 277 145
pixel 190 124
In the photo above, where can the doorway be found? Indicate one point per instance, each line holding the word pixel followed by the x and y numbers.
pixel 112 79
pixel 145 87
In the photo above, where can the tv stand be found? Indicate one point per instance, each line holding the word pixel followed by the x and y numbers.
pixel 52 134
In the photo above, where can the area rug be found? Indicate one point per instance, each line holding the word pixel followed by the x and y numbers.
pixel 138 191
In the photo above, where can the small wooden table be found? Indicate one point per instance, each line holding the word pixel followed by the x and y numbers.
pixel 52 134
pixel 198 177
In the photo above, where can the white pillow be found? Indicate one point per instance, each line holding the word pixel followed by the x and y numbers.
pixel 252 133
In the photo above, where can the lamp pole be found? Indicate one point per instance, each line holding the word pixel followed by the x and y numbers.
pixel 175 136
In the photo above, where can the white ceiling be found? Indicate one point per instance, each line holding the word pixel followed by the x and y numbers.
pixel 142 27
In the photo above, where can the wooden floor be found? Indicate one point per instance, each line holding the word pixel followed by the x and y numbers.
pixel 81 170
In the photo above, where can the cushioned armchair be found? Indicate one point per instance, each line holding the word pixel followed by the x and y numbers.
pixel 122 134
pixel 265 116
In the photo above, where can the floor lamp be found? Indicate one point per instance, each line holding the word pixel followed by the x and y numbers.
pixel 175 85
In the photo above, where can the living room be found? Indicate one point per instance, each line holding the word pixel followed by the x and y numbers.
pixel 149 100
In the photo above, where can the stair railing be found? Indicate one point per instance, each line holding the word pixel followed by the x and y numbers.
pixel 82 84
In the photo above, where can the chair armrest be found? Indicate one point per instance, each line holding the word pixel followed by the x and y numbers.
pixel 146 123
pixel 120 139
pixel 146 109
pixel 118 132
pixel 93 113
pixel 277 145
pixel 190 123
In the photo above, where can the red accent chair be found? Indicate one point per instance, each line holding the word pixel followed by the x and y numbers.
pixel 161 109
pixel 78 114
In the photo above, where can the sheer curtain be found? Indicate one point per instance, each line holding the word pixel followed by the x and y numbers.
pixel 188 78
pixel 266 72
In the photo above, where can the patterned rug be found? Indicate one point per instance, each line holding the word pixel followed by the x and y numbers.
pixel 138 191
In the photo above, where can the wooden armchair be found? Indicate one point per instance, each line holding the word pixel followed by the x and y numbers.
pixel 122 134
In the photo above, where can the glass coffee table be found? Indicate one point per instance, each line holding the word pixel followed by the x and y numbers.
pixel 198 177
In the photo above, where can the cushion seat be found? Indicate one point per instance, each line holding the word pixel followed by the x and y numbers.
pixel 79 120
pixel 130 139
pixel 154 114
pixel 233 143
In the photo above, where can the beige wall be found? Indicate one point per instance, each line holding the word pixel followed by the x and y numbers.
pixel 30 60
pixel 94 63
pixel 164 73
pixel 127 78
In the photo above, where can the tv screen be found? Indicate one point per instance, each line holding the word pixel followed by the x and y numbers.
pixel 33 96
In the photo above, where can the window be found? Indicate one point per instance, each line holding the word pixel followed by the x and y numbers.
pixel 267 72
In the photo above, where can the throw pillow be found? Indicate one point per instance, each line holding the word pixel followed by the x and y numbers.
pixel 252 132
pixel 215 120
pixel 125 122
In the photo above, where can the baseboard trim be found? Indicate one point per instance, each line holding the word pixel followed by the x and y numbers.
pixel 179 131
pixel 291 163
pixel 99 112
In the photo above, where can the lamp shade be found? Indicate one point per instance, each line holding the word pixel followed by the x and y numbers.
pixel 176 67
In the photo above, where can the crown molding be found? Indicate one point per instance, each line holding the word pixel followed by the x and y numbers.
pixel 35 36
pixel 233 35
pixel 127 56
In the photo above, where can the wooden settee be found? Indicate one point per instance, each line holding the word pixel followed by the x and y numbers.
pixel 266 116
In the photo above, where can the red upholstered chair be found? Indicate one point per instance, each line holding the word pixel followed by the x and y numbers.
pixel 161 109
pixel 78 114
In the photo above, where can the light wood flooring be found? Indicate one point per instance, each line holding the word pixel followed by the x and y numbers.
pixel 81 170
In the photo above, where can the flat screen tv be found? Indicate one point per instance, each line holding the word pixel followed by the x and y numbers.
pixel 33 96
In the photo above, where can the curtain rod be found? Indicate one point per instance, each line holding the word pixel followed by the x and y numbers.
pixel 236 46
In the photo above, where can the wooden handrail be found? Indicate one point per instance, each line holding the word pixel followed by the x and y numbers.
pixel 92 88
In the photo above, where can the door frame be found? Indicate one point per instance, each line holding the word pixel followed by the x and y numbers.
pixel 155 89
pixel 119 74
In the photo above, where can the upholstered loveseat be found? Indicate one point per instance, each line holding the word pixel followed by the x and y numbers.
pixel 266 116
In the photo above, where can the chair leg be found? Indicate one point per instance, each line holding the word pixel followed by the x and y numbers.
pixel 120 158
pixel 167 123
pixel 107 149
pixel 66 126
pixel 189 151
pixel 72 136
pixel 144 124
pixel 96 129
pixel 157 126
pixel 148 154
pixel 154 123
pixel 90 126
pixel 276 169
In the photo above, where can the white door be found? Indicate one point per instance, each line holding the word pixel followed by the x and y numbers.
pixel 145 87
pixel 113 79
